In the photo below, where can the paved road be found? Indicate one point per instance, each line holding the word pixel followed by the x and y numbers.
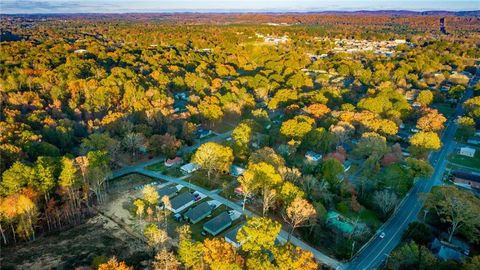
pixel 377 249
pixel 140 168
pixel 283 234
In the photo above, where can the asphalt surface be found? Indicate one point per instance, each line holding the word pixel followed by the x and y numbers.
pixel 377 249
pixel 140 169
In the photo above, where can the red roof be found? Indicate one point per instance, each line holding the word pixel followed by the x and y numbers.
pixel 173 161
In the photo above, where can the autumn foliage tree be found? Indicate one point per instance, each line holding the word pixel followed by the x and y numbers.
pixel 219 254
pixel 298 213
pixel 114 264
pixel 422 142
pixel 213 157
pixel 432 120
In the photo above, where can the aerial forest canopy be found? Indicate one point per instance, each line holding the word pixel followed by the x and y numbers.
pixel 83 96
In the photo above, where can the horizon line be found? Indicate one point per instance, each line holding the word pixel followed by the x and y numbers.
pixel 240 11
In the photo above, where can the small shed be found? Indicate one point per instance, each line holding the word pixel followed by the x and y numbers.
pixel 199 212
pixel 180 202
pixel 189 168
pixel 467 151
pixel 217 224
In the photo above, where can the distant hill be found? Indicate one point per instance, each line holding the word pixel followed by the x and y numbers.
pixel 404 13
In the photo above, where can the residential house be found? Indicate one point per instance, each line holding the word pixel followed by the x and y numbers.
pixel 217 224
pixel 446 251
pixel 199 212
pixel 173 162
pixel 202 133
pixel 347 165
pixel 168 191
pixel 467 151
pixel 312 156
pixel 181 202
pixel 181 96
pixel 236 170
pixel 231 236
pixel 189 168
pixel 80 51
pixel 239 191
pixel 466 179
pixel 474 141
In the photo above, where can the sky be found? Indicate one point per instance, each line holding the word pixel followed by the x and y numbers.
pixel 125 6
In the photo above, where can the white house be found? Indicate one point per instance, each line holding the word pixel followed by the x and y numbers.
pixel 80 51
pixel 312 156
pixel 189 168
pixel 467 151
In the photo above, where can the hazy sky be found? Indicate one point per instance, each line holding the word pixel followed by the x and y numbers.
pixel 121 6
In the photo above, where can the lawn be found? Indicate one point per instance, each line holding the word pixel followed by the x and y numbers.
pixel 445 109
pixel 365 215
pixel 160 167
pixel 129 182
pixel 200 178
pixel 452 166
pixel 466 161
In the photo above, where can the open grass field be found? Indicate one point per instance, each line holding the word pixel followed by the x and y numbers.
pixel 466 161
pixel 170 171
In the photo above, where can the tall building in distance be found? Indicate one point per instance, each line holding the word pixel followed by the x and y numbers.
pixel 442 26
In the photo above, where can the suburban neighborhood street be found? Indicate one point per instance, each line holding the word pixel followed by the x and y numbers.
pixel 140 169
pixel 377 249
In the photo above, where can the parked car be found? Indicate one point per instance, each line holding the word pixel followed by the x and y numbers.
pixel 382 235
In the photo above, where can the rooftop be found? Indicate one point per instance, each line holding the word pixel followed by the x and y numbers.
pixel 467 176
pixel 167 191
pixel 181 200
pixel 231 236
pixel 198 212
pixel 218 223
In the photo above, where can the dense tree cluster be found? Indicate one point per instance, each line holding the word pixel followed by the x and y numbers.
pixel 79 99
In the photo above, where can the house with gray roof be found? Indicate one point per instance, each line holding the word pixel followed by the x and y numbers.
pixel 446 251
pixel 181 202
pixel 168 191
pixel 217 224
pixel 199 212
pixel 231 236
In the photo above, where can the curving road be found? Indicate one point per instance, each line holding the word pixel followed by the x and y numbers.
pixel 377 250
pixel 140 169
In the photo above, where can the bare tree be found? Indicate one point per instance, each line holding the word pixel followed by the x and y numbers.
pixel 132 142
pixel 165 260
pixel 298 213
pixel 269 196
pixel 385 200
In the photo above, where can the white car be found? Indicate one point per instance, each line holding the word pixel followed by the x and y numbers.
pixel 382 235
